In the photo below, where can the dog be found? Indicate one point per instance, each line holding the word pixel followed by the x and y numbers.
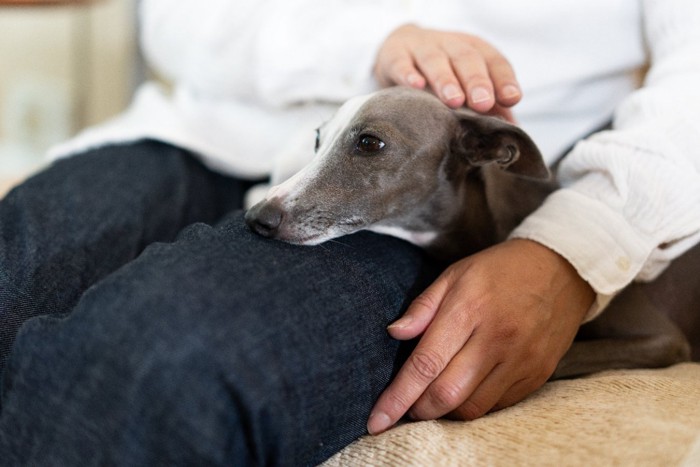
pixel 401 163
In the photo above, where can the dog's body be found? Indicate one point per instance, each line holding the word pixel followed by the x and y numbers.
pixel 401 163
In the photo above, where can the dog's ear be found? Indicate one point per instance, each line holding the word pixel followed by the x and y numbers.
pixel 482 140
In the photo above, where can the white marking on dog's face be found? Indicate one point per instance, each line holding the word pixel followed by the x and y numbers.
pixel 328 135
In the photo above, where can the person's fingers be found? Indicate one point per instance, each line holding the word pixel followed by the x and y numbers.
pixel 422 310
pixel 445 336
pixel 460 68
pixel 421 368
pixel 399 69
pixel 434 64
pixel 473 74
pixel 508 91
pixel 501 74
pixel 519 391
pixel 490 394
pixel 457 382
pixel 486 395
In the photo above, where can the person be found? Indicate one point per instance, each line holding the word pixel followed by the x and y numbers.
pixel 162 331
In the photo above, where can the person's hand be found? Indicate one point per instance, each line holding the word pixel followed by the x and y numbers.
pixel 494 327
pixel 459 68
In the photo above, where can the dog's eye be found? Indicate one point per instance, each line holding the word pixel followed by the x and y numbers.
pixel 318 140
pixel 370 144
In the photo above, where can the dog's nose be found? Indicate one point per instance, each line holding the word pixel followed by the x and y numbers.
pixel 264 219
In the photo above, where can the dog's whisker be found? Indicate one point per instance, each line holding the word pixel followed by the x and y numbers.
pixel 340 243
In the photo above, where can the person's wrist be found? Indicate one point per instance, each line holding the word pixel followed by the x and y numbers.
pixel 572 292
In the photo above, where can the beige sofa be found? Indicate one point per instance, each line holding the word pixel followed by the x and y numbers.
pixel 621 418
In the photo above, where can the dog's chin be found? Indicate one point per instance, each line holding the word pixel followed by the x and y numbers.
pixel 315 238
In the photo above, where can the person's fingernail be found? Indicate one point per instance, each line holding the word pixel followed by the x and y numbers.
pixel 414 80
pixel 480 95
pixel 378 422
pixel 401 323
pixel 510 90
pixel 451 91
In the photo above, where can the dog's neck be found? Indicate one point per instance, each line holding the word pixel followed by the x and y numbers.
pixel 494 203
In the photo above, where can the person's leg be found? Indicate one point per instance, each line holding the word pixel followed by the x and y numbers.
pixel 222 348
pixel 67 227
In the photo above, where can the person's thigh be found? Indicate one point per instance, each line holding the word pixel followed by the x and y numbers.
pixel 84 217
pixel 222 348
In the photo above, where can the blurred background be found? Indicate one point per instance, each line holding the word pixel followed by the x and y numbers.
pixel 64 65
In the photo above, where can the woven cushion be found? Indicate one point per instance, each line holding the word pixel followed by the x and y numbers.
pixel 629 417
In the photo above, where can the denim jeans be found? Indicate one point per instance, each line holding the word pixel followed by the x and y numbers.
pixel 156 329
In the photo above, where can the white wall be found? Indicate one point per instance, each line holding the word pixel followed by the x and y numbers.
pixel 61 68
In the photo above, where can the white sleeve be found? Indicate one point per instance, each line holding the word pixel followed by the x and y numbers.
pixel 630 201
pixel 278 52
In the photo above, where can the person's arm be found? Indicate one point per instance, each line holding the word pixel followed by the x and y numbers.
pixel 631 197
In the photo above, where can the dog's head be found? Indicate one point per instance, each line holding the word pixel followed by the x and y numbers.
pixel 397 161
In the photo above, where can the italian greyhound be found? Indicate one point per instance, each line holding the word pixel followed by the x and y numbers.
pixel 399 162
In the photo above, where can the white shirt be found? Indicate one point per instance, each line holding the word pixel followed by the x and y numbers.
pixel 250 75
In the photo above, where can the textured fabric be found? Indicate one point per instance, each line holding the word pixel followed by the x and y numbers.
pixel 212 346
pixel 68 227
pixel 630 417
pixel 219 349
